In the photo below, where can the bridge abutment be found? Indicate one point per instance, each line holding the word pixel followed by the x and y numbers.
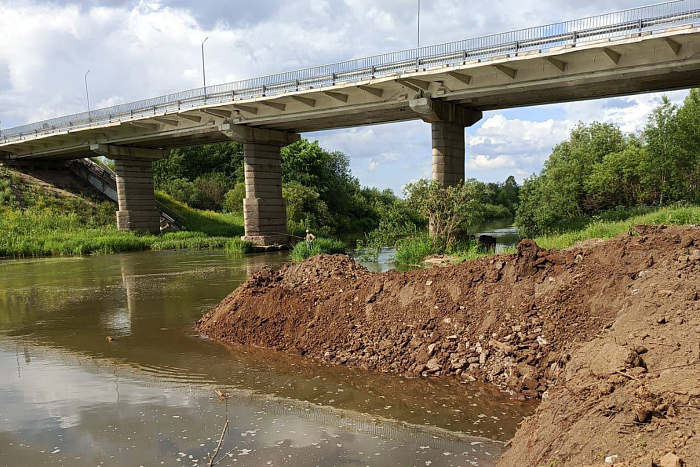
pixel 264 211
pixel 135 191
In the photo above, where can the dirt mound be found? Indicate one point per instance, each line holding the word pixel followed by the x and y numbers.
pixel 579 326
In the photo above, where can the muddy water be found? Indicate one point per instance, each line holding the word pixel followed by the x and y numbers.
pixel 68 396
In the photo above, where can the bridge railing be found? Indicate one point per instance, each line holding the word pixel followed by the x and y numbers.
pixel 608 26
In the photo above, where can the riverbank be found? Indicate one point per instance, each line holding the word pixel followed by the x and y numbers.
pixel 38 219
pixel 598 229
pixel 610 318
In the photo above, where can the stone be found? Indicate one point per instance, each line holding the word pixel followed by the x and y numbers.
pixel 432 366
pixel 670 460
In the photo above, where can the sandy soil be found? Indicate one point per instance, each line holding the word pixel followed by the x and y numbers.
pixel 606 333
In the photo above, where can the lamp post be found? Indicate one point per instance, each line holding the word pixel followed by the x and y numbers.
pixel 204 72
pixel 87 96
pixel 418 40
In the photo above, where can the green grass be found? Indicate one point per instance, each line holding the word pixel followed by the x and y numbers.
pixel 238 246
pixel 608 229
pixel 413 250
pixel 302 251
pixel 212 223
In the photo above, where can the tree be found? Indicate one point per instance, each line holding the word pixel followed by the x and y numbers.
pixel 451 211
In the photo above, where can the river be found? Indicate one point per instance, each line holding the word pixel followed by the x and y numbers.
pixel 100 365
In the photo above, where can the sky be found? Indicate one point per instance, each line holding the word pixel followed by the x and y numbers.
pixel 137 49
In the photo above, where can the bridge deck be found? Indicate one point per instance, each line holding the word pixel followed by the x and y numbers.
pixel 641 50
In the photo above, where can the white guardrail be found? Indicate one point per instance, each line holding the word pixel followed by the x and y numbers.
pixel 619 24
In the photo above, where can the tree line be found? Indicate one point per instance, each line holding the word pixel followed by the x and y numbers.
pixel 600 170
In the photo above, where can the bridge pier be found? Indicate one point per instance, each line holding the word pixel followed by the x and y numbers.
pixel 447 122
pixel 135 192
pixel 264 212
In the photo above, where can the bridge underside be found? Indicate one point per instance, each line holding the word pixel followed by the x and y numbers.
pixel 448 97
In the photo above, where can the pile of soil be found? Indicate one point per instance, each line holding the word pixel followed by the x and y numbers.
pixel 607 333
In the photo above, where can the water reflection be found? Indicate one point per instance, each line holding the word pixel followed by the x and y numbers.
pixel 148 394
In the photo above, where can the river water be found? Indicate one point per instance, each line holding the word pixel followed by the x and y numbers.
pixel 70 396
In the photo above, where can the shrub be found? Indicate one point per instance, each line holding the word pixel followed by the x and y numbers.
pixel 302 251
pixel 413 250
pixel 238 246
pixel 233 199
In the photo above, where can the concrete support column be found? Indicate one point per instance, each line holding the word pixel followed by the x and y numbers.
pixel 448 121
pixel 448 153
pixel 263 207
pixel 137 200
pixel 135 195
pixel 264 212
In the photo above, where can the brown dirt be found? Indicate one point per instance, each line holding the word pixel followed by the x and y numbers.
pixel 607 333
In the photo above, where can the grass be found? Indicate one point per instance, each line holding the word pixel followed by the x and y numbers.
pixel 413 250
pixel 607 229
pixel 212 223
pixel 46 223
pixel 321 245
pixel 238 246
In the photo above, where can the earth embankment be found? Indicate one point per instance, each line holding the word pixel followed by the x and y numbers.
pixel 607 333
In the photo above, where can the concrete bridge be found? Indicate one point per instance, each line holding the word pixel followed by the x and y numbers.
pixel 645 49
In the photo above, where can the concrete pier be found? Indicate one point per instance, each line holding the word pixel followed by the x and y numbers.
pixel 137 200
pixel 264 212
pixel 135 193
pixel 448 153
pixel 448 122
pixel 263 207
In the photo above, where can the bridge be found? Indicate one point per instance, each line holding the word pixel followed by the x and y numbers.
pixel 645 49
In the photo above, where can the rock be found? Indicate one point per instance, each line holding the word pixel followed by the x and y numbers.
pixel 671 460
pixel 661 320
pixel 541 340
pixel 505 348
pixel 483 356
pixel 530 383
pixel 453 337
pixel 431 349
pixel 432 366
pixel 643 413
pixel 429 283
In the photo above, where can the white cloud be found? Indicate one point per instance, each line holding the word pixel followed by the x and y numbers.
pixel 484 162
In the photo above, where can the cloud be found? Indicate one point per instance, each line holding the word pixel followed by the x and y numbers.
pixel 484 162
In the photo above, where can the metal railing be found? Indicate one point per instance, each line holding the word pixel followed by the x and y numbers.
pixel 608 26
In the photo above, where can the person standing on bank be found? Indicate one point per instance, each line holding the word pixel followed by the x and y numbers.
pixel 310 239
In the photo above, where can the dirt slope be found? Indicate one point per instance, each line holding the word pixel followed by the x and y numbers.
pixel 579 326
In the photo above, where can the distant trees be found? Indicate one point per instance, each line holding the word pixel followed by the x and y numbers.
pixel 599 168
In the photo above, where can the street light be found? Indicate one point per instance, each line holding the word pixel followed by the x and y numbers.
pixel 204 73
pixel 87 96
pixel 418 25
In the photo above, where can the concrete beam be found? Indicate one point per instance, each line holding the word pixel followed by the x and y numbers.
pixel 275 105
pixel 675 46
pixel 304 100
pixel 246 108
pixel 339 96
pixel 127 152
pixel 506 70
pixel 218 112
pixel 370 90
pixel 135 195
pixel 246 134
pixel 559 64
pixel 612 55
pixel 434 110
pixel 462 77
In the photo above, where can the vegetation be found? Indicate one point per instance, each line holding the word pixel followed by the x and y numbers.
pixel 208 222
pixel 453 213
pixel 36 221
pixel 329 246
pixel 599 169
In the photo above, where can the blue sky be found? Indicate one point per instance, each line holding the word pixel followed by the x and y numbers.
pixel 139 49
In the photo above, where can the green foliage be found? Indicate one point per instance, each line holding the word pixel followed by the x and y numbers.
pixel 451 212
pixel 186 241
pixel 598 168
pixel 211 223
pixel 238 246
pixel 302 251
pixel 413 250
pixel 304 206
pixel 611 228
pixel 233 200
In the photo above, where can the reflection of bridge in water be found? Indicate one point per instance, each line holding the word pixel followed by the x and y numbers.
pixel 448 85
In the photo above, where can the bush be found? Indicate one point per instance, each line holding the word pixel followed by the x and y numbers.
pixel 238 246
pixel 233 200
pixel 414 250
pixel 329 246
pixel 211 190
